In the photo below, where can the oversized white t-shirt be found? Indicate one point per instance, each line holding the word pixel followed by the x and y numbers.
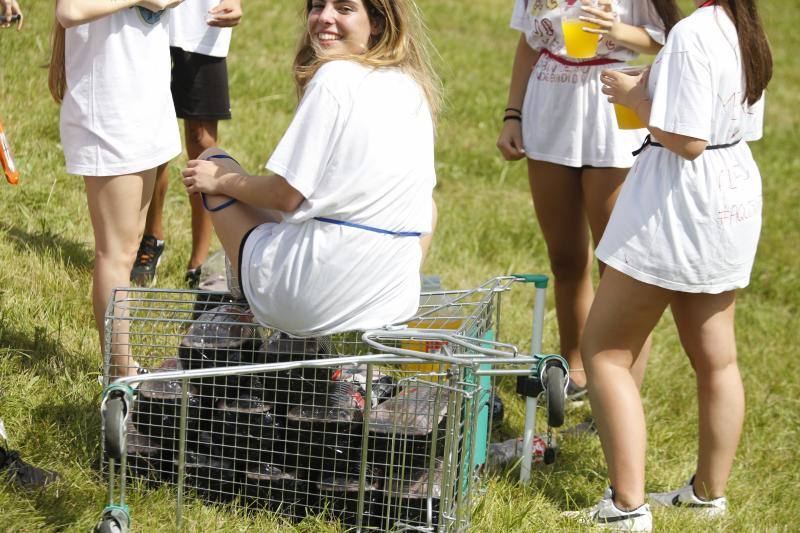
pixel 189 29
pixel 693 226
pixel 565 118
pixel 360 150
pixel 117 116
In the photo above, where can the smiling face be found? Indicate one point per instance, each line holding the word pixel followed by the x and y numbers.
pixel 339 27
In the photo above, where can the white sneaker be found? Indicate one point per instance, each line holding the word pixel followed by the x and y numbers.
pixel 606 515
pixel 686 498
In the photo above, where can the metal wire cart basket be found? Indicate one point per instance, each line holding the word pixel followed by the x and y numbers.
pixel 381 430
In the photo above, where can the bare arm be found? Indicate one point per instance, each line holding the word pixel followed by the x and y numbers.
pixel 631 91
pixel 216 178
pixel 524 59
pixel 632 37
pixel 76 12
pixel 510 141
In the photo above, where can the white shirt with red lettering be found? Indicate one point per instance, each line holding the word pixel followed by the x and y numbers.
pixel 693 226
pixel 565 118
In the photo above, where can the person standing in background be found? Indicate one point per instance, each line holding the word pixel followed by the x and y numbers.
pixel 559 121
pixel 200 36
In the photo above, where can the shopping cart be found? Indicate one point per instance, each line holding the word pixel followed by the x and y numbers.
pixel 381 430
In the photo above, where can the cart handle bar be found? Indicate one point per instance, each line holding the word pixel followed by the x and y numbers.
pixel 176 375
pixel 470 343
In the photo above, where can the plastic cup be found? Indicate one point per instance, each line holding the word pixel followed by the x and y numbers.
pixel 627 119
pixel 580 44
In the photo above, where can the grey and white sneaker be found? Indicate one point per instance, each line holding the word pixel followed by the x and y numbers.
pixel 606 515
pixel 686 498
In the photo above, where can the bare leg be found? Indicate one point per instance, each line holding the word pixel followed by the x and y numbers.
pixel 558 200
pixel 231 223
pixel 200 135
pixel 118 208
pixel 706 326
pixel 426 240
pixel 601 187
pixel 623 314
pixel 154 225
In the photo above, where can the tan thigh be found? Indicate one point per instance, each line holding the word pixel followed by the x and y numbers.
pixel 558 201
pixel 706 327
pixel 118 209
pixel 601 187
pixel 623 314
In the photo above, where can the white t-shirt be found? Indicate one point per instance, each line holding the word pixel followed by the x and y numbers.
pixel 693 226
pixel 189 29
pixel 565 118
pixel 360 150
pixel 117 116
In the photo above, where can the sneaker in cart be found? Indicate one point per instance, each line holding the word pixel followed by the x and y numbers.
pixel 686 498
pixel 147 260
pixel 192 277
pixel 25 476
pixel 606 515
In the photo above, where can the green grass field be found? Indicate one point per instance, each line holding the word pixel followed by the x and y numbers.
pixel 49 354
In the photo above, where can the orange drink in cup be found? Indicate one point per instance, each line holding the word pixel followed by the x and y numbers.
pixel 580 44
pixel 627 119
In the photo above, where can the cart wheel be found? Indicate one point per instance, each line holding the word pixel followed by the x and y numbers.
pixel 115 520
pixel 554 385
pixel 109 525
pixel 115 428
pixel 550 455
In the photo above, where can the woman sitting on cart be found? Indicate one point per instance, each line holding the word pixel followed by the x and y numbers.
pixel 333 237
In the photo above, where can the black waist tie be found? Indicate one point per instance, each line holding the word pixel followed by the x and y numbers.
pixel 648 141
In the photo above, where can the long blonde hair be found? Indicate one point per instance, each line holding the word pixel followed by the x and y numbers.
pixel 56 72
pixel 401 42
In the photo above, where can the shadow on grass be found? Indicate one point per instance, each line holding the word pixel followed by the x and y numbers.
pixel 79 431
pixel 74 254
pixel 41 350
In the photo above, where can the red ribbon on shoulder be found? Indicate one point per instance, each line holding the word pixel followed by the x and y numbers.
pixel 708 3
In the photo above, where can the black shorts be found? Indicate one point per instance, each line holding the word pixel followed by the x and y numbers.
pixel 241 256
pixel 199 86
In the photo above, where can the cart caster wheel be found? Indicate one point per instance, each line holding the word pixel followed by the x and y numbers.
pixel 115 520
pixel 554 386
pixel 550 456
pixel 115 428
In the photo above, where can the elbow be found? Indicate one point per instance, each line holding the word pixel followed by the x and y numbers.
pixel 290 202
pixel 66 15
pixel 692 151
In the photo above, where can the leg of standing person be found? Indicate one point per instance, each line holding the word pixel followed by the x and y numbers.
pixel 200 136
pixel 118 208
pixel 706 327
pixel 601 187
pixel 623 315
pixel 151 247
pixel 558 201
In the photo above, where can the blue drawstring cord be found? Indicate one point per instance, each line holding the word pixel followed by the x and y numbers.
pixel 223 205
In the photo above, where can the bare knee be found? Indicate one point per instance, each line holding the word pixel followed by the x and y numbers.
pixel 570 265
pixel 200 135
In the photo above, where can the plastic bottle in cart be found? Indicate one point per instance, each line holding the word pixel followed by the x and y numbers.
pixel 383 385
pixel 502 454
